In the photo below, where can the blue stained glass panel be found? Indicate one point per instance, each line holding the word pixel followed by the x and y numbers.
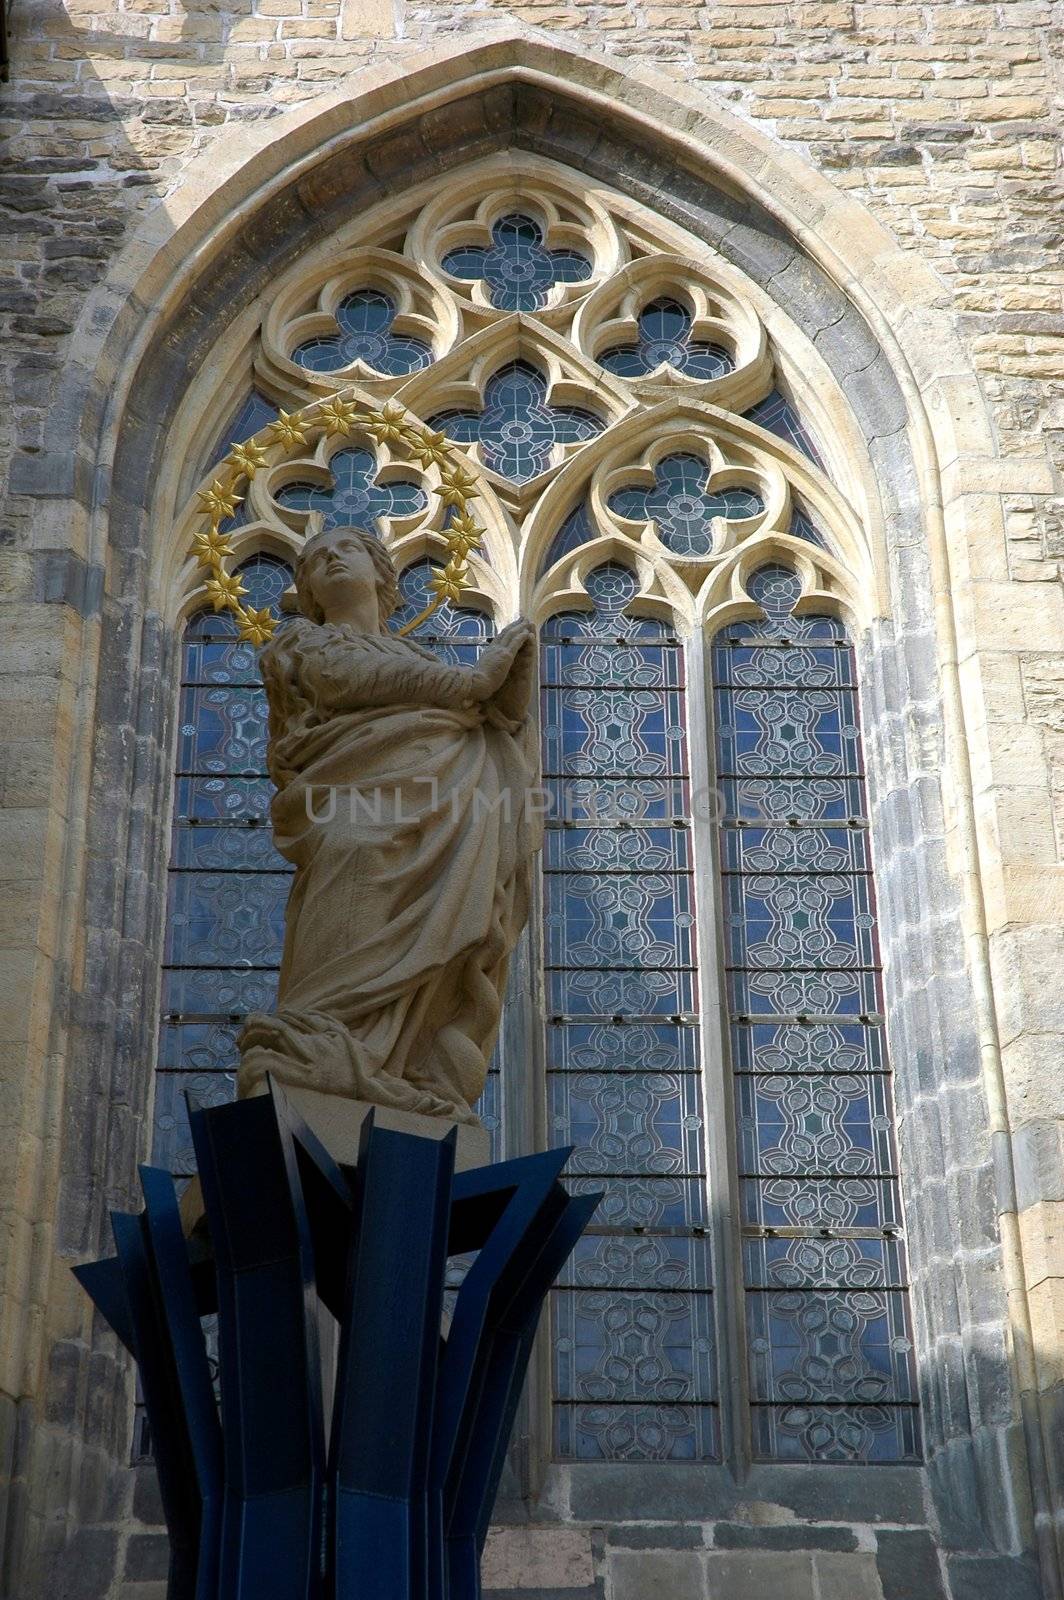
pixel 831 1362
pixel 799 920
pixel 641 992
pixel 645 1202
pixel 840 1435
pixel 835 993
pixel 615 1345
pixel 518 430
pixel 213 921
pixel 832 1263
pixel 811 1047
pixel 617 798
pixel 810 1126
pixel 664 338
pixel 637 1261
pixel 819 1203
pixel 355 497
pixel 848 1345
pixel 622 1047
pixel 682 506
pixel 617 849
pixel 255 413
pixel 576 529
pixel 519 270
pixel 628 1122
pixel 636 1432
pixel 364 321
pixel 777 414
pixel 623 1080
pixel 620 920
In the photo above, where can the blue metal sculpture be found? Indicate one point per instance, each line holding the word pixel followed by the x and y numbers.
pixel 397 1506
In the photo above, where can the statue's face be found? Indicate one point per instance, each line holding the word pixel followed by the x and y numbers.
pixel 336 567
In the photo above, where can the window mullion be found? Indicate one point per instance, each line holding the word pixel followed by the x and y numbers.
pixel 719 1125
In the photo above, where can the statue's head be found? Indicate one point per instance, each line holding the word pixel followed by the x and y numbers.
pixel 333 561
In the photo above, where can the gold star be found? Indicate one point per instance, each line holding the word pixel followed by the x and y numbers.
pixel 287 430
pixel 391 424
pixel 210 546
pixel 224 590
pixel 428 448
pixel 339 416
pixel 246 458
pixel 219 500
pixel 255 626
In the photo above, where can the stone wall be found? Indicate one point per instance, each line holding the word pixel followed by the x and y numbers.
pixel 935 118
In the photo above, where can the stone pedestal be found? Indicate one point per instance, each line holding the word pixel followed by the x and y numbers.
pixel 338 1122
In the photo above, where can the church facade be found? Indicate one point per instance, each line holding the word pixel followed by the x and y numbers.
pixel 743 323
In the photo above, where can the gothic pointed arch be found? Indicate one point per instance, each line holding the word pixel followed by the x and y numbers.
pixel 884 395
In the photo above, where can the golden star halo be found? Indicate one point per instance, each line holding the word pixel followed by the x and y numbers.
pixel 390 425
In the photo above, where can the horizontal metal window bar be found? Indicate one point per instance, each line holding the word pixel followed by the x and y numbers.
pixel 234 872
pixel 643 968
pixel 221 822
pixel 623 1019
pixel 796 824
pixel 220 966
pixel 665 641
pixel 633 871
pixel 235 772
pixel 561 824
pixel 756 1230
pixel 803 1019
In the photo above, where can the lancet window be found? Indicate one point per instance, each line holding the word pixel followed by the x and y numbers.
pixel 655 489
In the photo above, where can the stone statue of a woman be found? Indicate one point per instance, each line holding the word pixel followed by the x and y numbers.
pixel 402 799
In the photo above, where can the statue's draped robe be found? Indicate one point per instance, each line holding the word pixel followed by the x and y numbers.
pixel 404 809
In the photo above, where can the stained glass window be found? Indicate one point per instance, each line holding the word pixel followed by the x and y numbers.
pixel 227 885
pixel 364 323
pixel 664 338
pixel 518 429
pixel 633 1341
pixel 779 416
pixel 519 271
pixel 355 496
pixel 255 413
pixel 831 1370
pixel 682 506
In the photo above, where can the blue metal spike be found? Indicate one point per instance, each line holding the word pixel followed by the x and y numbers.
pixel 178 1310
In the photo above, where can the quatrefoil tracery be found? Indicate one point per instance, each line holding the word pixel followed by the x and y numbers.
pixel 577 390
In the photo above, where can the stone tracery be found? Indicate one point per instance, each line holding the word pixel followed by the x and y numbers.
pixel 600 382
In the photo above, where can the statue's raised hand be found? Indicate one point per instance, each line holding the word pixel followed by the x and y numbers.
pixel 504 671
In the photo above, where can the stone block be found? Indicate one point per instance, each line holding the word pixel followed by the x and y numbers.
pixel 789 1536
pixel 657 1536
pixel 985 1577
pixel 147 1557
pixel 755 1577
pixel 84 1568
pixel 537 1558
pixel 848 1577
pixel 646 1574
pixel 908 1565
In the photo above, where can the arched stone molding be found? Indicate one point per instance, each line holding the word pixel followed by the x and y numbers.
pixel 836 289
